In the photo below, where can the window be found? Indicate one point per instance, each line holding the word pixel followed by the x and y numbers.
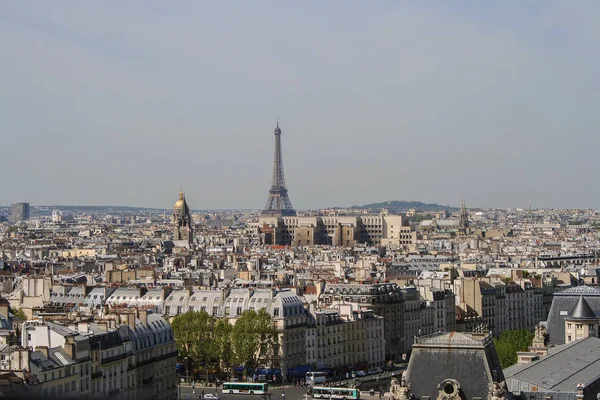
pixel 276 312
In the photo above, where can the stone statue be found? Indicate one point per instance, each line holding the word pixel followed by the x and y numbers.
pixel 400 391
pixel 539 338
pixel 497 391
pixel 540 332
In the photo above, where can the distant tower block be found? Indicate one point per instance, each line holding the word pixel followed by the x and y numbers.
pixel 278 202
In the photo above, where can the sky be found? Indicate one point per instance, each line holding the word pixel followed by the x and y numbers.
pixel 118 103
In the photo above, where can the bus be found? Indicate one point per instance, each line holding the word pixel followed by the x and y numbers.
pixel 322 392
pixel 245 388
pixel 314 378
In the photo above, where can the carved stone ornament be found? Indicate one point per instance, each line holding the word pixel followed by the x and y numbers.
pixel 449 389
pixel 497 391
pixel 400 391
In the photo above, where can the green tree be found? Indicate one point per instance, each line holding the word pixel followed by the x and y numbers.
pixel 223 347
pixel 194 337
pixel 510 343
pixel 253 338
pixel 19 314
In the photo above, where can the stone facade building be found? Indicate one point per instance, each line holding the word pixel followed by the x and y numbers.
pixel 375 229
pixel 126 356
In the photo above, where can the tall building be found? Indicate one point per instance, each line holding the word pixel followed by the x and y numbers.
pixel 19 212
pixel 182 220
pixel 278 202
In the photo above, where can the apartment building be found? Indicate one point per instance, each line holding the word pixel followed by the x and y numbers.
pixel 284 306
pixel 384 299
pixel 126 356
pixel 344 336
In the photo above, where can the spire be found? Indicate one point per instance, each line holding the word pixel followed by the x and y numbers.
pixel 464 217
pixel 277 129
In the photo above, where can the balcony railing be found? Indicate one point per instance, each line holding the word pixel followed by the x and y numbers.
pixel 97 375
pixel 118 357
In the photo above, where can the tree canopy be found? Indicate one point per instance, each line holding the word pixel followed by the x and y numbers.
pixel 202 338
pixel 510 343
pixel 253 338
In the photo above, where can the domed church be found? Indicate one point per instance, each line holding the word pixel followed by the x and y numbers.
pixel 182 220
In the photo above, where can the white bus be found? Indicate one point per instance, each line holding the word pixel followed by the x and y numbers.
pixel 245 388
pixel 321 392
pixel 314 378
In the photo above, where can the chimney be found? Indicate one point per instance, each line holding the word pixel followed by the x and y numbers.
pixel 131 320
pixel 43 350
pixel 83 327
pixel 4 307
pixel 70 350
pixel 19 359
pixel 143 316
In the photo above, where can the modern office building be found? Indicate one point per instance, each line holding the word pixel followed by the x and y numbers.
pixel 19 212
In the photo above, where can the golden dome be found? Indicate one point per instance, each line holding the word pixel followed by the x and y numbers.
pixel 179 204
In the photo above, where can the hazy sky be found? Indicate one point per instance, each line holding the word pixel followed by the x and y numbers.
pixel 121 102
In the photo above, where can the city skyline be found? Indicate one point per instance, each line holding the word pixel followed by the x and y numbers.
pixel 108 104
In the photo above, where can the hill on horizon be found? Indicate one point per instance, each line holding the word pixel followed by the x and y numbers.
pixel 398 206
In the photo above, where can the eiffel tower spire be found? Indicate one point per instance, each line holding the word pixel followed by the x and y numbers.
pixel 278 202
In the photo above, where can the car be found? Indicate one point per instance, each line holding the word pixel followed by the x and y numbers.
pixel 361 373
pixel 210 396
pixel 374 370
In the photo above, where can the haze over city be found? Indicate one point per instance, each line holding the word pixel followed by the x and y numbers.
pixel 113 103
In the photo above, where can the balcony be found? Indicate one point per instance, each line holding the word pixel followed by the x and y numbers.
pixel 147 380
pixel 109 360
pixel 97 375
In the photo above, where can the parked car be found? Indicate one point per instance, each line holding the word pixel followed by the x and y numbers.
pixel 210 396
pixel 374 370
pixel 361 373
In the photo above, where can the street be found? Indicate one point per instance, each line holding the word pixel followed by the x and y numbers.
pixel 291 393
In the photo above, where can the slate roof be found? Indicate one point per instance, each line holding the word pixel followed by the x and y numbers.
pixel 562 303
pixel 561 370
pixel 582 311
pixel 471 361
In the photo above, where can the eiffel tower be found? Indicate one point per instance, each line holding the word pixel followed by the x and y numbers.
pixel 278 202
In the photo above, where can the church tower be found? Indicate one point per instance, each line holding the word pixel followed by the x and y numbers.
pixel 464 218
pixel 182 220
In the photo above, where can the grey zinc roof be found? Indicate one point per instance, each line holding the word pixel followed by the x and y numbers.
pixel 562 303
pixel 582 310
pixel 561 371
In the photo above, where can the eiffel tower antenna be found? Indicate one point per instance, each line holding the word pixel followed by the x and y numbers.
pixel 278 202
